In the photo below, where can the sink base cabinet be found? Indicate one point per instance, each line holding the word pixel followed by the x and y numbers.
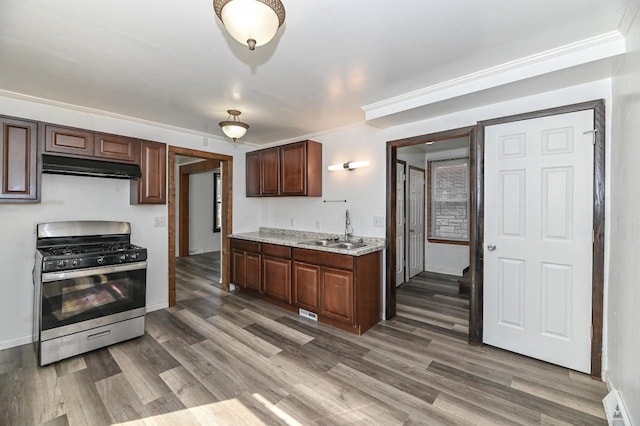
pixel 344 291
pixel 276 272
pixel 349 288
pixel 306 286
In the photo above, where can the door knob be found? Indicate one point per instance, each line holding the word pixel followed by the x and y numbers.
pixel 491 247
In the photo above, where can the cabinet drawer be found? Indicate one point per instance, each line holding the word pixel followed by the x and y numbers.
pixel 276 250
pixel 250 246
pixel 318 257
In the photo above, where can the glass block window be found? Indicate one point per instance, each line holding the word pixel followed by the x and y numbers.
pixel 448 201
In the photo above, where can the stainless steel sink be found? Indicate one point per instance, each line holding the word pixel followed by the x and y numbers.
pixel 348 246
pixel 323 243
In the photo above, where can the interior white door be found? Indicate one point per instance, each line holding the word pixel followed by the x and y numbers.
pixel 416 221
pixel 400 223
pixel 538 180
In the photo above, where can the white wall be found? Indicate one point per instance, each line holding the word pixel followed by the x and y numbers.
pixel 84 198
pixel 624 296
pixel 202 239
pixel 364 188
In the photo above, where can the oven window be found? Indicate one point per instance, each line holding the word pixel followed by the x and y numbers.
pixel 73 300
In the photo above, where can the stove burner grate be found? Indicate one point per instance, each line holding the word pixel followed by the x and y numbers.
pixel 118 246
pixel 65 251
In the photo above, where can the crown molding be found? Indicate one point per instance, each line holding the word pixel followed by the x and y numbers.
pixel 589 50
pixel 94 111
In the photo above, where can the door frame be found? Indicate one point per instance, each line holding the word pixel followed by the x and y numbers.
pixel 226 166
pixel 403 164
pixel 186 171
pixel 392 158
pixel 477 220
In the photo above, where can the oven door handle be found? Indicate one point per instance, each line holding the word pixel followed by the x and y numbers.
pixel 103 270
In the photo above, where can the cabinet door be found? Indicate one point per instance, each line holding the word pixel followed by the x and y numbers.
pixel 306 285
pixel 253 172
pixel 276 276
pixel 293 169
pixel 336 295
pixel 151 187
pixel 66 140
pixel 18 160
pixel 238 268
pixel 114 147
pixel 270 171
pixel 252 272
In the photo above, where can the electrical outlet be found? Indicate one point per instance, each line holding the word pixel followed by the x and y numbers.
pixel 159 222
pixel 317 224
pixel 378 221
pixel 293 222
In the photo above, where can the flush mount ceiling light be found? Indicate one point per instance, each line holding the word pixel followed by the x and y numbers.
pixel 349 165
pixel 251 22
pixel 233 127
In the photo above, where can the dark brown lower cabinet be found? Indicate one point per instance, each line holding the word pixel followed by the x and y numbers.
pixel 276 271
pixel 306 286
pixel 246 265
pixel 336 297
pixel 344 291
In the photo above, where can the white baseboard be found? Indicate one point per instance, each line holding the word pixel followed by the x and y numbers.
pixel 614 407
pixel 157 306
pixel 16 342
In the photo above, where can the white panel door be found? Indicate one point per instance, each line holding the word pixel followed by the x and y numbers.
pixel 538 238
pixel 416 221
pixel 400 224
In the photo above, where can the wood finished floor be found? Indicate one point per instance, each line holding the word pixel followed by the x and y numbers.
pixel 221 358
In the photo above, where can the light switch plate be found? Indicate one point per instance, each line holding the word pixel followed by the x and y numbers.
pixel 159 222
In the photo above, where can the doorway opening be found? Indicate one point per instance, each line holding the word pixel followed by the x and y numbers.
pixel 206 161
pixel 432 229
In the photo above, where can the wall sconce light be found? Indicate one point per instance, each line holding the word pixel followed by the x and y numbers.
pixel 349 165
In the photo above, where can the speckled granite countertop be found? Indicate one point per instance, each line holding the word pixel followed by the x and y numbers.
pixel 292 238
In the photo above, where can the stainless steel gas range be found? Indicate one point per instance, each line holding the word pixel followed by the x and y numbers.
pixel 90 287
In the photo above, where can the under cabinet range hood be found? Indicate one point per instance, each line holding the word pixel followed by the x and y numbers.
pixel 59 165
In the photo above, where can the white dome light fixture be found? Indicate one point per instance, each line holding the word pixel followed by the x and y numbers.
pixel 233 127
pixel 251 22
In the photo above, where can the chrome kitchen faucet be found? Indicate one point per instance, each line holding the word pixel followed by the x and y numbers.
pixel 348 230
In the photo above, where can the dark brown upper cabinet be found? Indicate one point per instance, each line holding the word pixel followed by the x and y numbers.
pixel 151 188
pixel 293 169
pixel 270 171
pixel 253 171
pixel 18 161
pixel 114 147
pixel 68 141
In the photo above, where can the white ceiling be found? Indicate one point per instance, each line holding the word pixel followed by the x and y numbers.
pixel 172 62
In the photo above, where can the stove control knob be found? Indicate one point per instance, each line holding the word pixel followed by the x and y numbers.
pixel 100 260
pixel 75 262
pixel 123 257
pixel 133 256
pixel 61 263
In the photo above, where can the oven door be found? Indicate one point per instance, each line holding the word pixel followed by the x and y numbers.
pixel 72 301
